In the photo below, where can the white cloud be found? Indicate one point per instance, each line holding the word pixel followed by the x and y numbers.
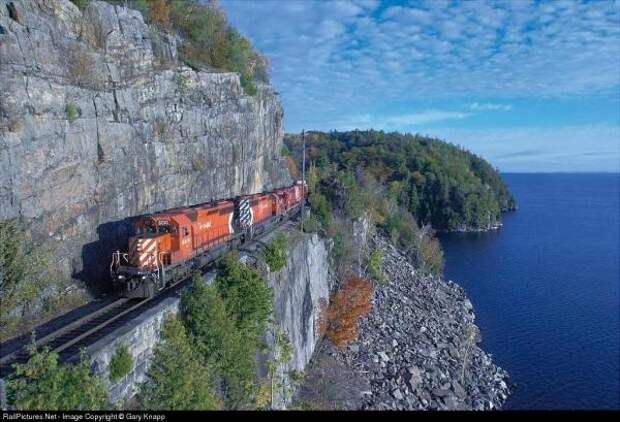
pixel 363 58
pixel 428 116
pixel 585 147
pixel 490 106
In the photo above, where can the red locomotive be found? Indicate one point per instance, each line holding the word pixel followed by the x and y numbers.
pixel 169 245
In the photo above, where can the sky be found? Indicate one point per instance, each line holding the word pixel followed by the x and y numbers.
pixel 531 86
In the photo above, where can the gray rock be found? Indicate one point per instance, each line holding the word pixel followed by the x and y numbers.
pixel 429 318
pixel 150 133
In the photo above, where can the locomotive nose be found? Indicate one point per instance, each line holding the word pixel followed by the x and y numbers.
pixel 143 252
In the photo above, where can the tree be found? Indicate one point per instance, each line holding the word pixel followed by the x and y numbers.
pixel 282 354
pixel 246 295
pixel 227 320
pixel 120 363
pixel 312 178
pixel 218 340
pixel 339 320
pixel 30 283
pixel 374 266
pixel 178 378
pixel 274 253
pixel 159 13
pixel 43 384
pixel 471 336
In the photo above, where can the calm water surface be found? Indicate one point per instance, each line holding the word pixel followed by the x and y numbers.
pixel 545 288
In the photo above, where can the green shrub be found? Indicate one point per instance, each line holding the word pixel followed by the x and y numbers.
pixel 248 85
pixel 71 112
pixel 182 83
pixel 31 288
pixel 374 266
pixel 274 253
pixel 311 223
pixel 178 378
pixel 430 255
pixel 121 363
pixel 43 384
pixel 81 4
pixel 321 208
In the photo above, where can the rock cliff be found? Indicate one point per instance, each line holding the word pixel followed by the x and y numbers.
pixel 100 123
pixel 297 290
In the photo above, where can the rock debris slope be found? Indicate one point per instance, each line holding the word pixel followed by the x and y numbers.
pixel 412 347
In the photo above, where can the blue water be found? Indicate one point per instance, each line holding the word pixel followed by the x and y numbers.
pixel 545 288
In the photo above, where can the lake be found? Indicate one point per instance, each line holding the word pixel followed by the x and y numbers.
pixel 545 288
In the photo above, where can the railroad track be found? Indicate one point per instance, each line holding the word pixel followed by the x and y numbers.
pixel 70 336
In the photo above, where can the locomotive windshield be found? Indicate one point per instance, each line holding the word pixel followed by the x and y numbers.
pixel 164 227
pixel 149 226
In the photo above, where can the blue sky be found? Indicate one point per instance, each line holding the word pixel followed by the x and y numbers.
pixel 528 85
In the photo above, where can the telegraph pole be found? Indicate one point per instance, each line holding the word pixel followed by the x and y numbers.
pixel 303 177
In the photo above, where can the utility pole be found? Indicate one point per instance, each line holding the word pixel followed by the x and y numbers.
pixel 303 178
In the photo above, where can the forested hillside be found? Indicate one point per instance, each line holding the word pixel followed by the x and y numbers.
pixel 439 183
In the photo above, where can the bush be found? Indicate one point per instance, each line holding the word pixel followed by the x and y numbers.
pixel 43 384
pixel 183 83
pixel 121 363
pixel 342 252
pixel 71 112
pixel 275 253
pixel 339 320
pixel 31 287
pixel 159 13
pixel 82 71
pixel 430 255
pixel 311 223
pixel 248 85
pixel 81 4
pixel 178 378
pixel 320 207
pixel 374 266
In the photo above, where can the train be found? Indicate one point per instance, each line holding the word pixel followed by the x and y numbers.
pixel 168 246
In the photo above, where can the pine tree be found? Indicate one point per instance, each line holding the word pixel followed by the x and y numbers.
pixel 178 379
pixel 43 384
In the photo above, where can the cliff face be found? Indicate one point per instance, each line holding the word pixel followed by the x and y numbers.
pixel 100 123
pixel 298 288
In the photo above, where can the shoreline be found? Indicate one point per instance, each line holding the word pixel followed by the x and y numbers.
pixel 414 351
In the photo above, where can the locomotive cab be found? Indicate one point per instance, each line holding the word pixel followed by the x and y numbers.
pixel 140 272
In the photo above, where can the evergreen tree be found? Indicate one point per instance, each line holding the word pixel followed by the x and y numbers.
pixel 43 384
pixel 178 378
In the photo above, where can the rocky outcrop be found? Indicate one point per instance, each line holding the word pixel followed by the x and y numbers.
pixel 141 335
pixel 417 349
pixel 100 122
pixel 298 289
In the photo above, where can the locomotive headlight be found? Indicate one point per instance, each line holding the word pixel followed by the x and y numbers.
pixel 121 277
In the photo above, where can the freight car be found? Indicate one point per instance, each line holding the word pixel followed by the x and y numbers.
pixel 169 245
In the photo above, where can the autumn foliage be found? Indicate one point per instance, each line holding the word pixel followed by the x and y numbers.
pixel 339 320
pixel 292 167
pixel 159 13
